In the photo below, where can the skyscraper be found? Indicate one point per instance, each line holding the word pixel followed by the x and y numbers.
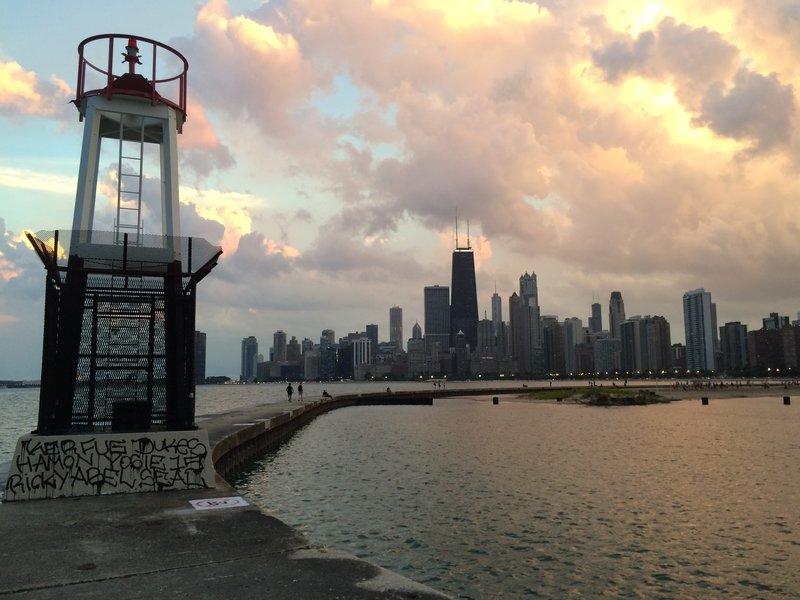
pixel 464 298
pixel 437 318
pixel 249 358
pixel 293 350
pixel 497 312
pixel 616 314
pixel 372 334
pixel 699 320
pixel 733 342
pixel 527 328
pixel 327 338
pixel 645 344
pixel 596 320
pixel 529 289
pixel 573 335
pixel 396 327
pixel 279 346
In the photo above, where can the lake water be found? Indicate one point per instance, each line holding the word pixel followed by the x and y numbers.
pixel 19 406
pixel 536 499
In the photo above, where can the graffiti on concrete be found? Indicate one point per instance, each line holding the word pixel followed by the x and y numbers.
pixel 47 466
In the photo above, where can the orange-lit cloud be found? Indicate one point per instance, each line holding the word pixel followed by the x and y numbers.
pixel 651 147
pixel 21 92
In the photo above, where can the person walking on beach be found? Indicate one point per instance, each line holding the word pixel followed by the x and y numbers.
pixel 300 391
pixel 289 391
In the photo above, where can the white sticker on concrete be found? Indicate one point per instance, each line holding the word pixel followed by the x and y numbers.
pixel 215 503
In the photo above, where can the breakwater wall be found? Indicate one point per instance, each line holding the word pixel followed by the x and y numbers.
pixel 250 439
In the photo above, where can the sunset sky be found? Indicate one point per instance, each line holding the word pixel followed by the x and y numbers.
pixel 646 147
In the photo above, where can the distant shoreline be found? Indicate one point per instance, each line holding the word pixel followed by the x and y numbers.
pixel 752 391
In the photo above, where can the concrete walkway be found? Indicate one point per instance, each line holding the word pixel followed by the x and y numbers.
pixel 157 545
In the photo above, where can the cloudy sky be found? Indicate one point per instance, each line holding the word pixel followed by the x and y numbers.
pixel 646 147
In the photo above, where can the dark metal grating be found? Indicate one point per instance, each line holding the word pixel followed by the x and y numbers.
pixel 122 355
pixel 119 334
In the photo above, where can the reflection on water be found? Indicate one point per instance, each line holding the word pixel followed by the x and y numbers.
pixel 547 500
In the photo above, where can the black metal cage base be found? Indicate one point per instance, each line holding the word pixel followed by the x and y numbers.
pixel 118 340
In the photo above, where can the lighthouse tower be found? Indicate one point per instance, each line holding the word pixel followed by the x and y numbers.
pixel 117 362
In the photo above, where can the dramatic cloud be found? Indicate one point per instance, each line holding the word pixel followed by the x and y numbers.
pixel 756 108
pixel 645 147
pixel 201 149
pixel 22 93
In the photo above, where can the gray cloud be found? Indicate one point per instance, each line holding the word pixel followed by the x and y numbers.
pixel 620 58
pixel 756 108
pixel 693 58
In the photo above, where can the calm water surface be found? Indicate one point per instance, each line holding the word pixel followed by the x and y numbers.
pixel 19 407
pixel 548 500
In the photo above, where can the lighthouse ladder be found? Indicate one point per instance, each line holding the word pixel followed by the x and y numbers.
pixel 129 180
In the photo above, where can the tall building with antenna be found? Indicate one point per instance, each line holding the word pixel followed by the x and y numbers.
pixel 463 294
pixel 596 320
pixel 497 311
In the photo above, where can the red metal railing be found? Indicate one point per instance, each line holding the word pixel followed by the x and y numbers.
pixel 158 85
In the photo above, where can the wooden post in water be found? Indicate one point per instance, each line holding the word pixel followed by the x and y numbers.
pixel 704 399
pixel 787 400
pixel 495 400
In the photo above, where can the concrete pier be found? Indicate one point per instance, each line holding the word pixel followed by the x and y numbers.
pixel 159 545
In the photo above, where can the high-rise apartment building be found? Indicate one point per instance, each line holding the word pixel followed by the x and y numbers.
pixel 396 327
pixel 553 345
pixel 249 358
pixel 733 343
pixel 616 314
pixel 646 345
pixel 699 320
pixel 279 346
pixel 464 297
pixel 199 357
pixel 437 318
pixel 607 355
pixel 573 336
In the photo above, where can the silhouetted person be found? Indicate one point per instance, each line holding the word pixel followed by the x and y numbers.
pixel 289 391
pixel 300 391
pixel 325 394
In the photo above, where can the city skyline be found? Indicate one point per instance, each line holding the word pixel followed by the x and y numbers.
pixel 644 343
pixel 605 146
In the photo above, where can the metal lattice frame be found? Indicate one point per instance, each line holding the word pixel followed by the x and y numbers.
pixel 118 338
